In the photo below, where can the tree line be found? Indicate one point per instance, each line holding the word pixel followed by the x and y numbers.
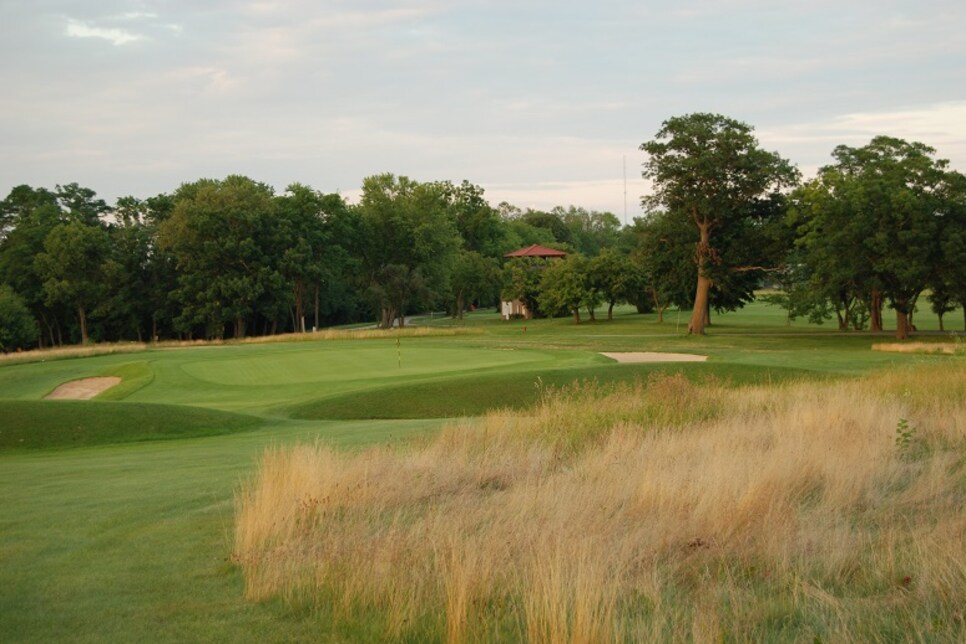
pixel 230 257
pixel 881 225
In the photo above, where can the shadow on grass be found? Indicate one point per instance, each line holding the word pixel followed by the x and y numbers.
pixel 472 396
pixel 39 424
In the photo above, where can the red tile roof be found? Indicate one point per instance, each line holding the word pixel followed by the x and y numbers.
pixel 535 250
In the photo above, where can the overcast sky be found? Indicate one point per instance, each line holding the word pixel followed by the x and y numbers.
pixel 541 103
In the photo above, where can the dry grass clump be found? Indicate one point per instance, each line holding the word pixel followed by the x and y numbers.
pixel 86 351
pixel 61 353
pixel 947 348
pixel 363 334
pixel 659 511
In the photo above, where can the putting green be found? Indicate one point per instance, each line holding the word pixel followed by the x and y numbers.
pixel 270 379
pixel 325 363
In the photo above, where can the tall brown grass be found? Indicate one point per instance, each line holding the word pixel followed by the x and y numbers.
pixel 947 348
pixel 660 511
pixel 79 351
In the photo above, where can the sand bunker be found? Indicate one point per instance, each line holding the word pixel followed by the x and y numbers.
pixel 650 356
pixel 83 389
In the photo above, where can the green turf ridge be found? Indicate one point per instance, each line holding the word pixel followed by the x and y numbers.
pixel 133 375
pixel 62 424
pixel 475 395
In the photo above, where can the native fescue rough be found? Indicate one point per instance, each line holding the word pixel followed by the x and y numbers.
pixel 665 510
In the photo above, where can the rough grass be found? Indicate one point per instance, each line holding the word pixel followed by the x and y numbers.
pixel 653 511
pixel 108 348
pixel 64 353
pixel 946 348
pixel 29 424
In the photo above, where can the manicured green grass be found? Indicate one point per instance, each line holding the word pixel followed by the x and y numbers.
pixel 130 542
pixel 30 424
pixel 127 542
pixel 472 396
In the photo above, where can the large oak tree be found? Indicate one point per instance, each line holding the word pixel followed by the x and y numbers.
pixel 710 170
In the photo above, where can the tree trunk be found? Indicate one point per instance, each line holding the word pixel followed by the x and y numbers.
pixel 660 314
pixel 50 330
pixel 82 315
pixel 843 311
pixel 875 311
pixel 316 307
pixel 577 315
pixel 902 325
pixel 941 329
pixel 240 328
pixel 460 304
pixel 698 313
pixel 300 306
pixel 610 311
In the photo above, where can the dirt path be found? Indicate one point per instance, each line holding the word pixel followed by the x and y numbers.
pixel 83 389
pixel 650 356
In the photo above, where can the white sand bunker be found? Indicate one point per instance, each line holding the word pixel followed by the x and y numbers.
pixel 83 389
pixel 651 356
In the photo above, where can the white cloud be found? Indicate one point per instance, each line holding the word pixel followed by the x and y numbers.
pixel 940 125
pixel 117 37
pixel 136 15
pixel 216 79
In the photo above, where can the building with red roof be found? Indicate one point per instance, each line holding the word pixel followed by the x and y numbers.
pixel 516 308
pixel 536 250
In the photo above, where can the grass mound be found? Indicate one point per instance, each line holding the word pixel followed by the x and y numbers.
pixel 654 511
pixel 32 424
pixel 133 375
pixel 474 396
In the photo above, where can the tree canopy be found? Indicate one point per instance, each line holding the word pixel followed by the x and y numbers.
pixel 874 224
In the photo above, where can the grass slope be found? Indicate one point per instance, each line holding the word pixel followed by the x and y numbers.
pixel 473 396
pixel 60 424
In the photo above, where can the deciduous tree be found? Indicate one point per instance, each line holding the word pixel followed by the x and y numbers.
pixel 565 284
pixel 407 243
pixel 872 222
pixel 18 329
pixel 710 170
pixel 72 268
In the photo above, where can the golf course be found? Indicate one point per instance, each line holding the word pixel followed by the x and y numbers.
pixel 140 514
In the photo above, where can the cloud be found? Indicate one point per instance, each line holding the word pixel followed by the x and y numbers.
pixel 940 125
pixel 135 15
pixel 216 79
pixel 117 37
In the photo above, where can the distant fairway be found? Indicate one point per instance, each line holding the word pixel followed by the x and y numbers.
pixel 123 506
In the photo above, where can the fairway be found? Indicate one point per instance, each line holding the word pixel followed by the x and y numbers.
pixel 117 514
